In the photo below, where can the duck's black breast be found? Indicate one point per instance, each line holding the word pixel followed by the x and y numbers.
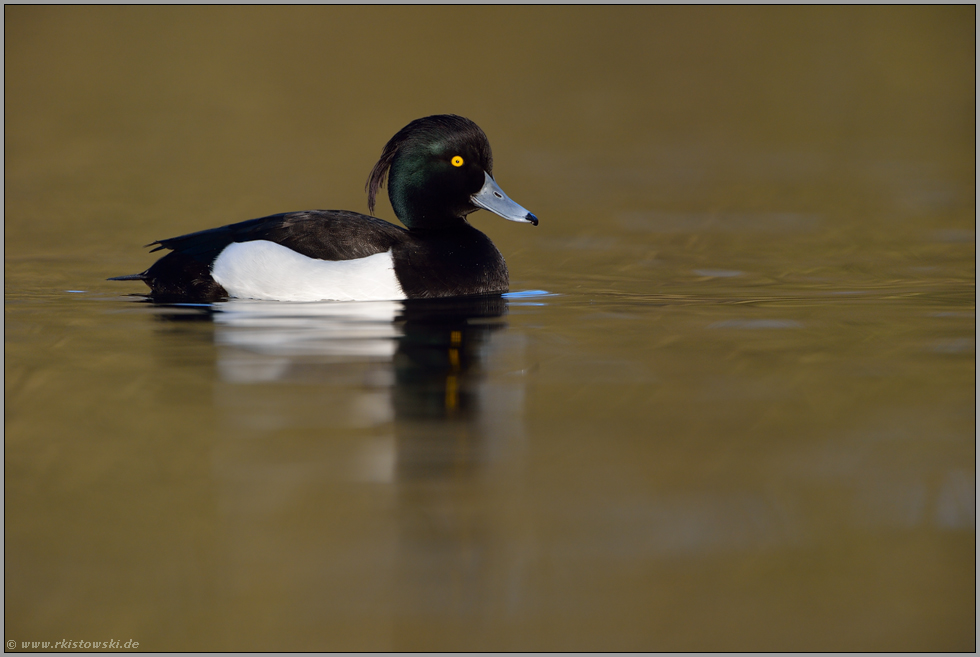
pixel 457 262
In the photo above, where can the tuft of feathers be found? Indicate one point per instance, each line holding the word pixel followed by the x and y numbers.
pixel 425 130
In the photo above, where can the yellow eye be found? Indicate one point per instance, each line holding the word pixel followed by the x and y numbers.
pixel 457 161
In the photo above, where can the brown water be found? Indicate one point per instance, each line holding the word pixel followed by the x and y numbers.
pixel 730 406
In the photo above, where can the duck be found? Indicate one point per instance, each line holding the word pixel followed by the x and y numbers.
pixel 439 170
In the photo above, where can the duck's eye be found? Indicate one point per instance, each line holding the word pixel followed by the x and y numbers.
pixel 457 161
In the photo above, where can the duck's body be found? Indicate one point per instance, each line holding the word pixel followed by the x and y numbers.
pixel 438 169
pixel 326 254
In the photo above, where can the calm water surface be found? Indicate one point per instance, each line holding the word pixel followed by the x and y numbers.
pixel 729 404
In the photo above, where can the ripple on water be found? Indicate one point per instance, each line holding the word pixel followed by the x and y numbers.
pixel 718 273
pixel 736 222
pixel 756 324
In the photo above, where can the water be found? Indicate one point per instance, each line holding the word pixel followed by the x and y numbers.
pixel 729 404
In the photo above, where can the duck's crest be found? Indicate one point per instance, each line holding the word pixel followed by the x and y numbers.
pixel 426 129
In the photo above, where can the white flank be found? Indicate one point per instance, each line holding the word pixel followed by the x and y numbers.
pixel 265 270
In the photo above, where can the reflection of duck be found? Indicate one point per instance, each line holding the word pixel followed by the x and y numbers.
pixel 441 398
pixel 438 169
pixel 429 366
pixel 431 344
pixel 439 348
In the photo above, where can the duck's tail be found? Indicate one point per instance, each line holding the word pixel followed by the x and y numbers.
pixel 131 277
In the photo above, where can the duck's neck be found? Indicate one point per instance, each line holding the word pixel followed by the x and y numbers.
pixel 423 211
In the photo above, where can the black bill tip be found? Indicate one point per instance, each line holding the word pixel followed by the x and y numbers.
pixel 530 217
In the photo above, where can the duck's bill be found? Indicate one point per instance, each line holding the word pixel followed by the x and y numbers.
pixel 492 198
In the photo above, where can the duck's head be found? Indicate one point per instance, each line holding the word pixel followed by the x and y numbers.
pixel 439 170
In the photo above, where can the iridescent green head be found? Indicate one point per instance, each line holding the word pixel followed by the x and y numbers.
pixel 439 170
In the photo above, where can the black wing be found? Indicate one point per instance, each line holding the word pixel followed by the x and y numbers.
pixel 321 234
